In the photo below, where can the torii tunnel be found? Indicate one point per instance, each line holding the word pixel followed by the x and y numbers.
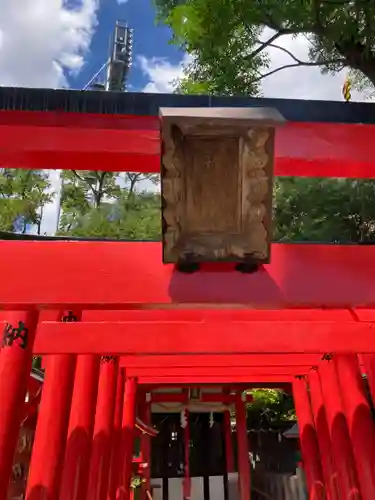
pixel 116 327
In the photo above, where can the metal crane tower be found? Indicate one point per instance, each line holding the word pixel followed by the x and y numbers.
pixel 113 74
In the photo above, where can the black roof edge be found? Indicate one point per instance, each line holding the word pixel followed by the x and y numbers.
pixel 142 104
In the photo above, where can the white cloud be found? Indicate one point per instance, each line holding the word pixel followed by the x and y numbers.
pixel 161 73
pixel 42 41
pixel 292 83
pixel 301 82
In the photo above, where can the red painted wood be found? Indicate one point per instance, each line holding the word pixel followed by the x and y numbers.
pixel 204 337
pixel 309 441
pixel 39 140
pixel 360 421
pixel 51 431
pixel 217 360
pixel 293 280
pixel 323 435
pixel 31 407
pixel 58 119
pixel 369 368
pixel 116 442
pixel 52 425
pixel 186 313
pixel 78 448
pixel 115 162
pixel 243 459
pixel 142 428
pixel 128 421
pixel 103 431
pixel 223 313
pixel 228 372
pixel 190 380
pixel 227 314
pixel 342 451
pixel 34 390
pixel 146 417
pixel 15 366
pixel 228 437
pixel 80 140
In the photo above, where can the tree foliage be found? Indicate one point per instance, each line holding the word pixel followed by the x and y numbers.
pixel 269 408
pixel 108 205
pixel 223 36
pixel 23 194
pixel 325 210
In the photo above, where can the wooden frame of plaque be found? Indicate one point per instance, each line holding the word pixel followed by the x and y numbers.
pixel 216 183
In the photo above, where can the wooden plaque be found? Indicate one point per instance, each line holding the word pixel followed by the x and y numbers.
pixel 216 181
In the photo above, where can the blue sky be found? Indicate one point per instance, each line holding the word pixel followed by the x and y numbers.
pixel 157 62
pixel 151 41
pixel 59 43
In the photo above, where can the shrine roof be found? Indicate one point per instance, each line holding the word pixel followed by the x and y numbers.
pixel 142 104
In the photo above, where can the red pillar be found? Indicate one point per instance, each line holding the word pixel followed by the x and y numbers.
pixel 341 446
pixel 309 441
pixel 324 439
pixel 51 431
pixel 115 470
pixel 369 362
pixel 78 449
pixel 103 430
pixel 145 416
pixel 358 414
pixel 228 441
pixel 15 365
pixel 128 421
pixel 243 452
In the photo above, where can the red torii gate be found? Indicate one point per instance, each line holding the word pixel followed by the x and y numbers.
pixel 311 300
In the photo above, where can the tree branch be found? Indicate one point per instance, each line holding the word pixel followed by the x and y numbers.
pixel 78 176
pixel 299 64
pixel 85 181
pixel 280 32
pixel 264 45
pixel 307 63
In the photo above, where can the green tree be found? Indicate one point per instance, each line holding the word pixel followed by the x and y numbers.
pixel 269 408
pixel 109 205
pixel 23 194
pixel 223 36
pixel 325 210
pixel 362 84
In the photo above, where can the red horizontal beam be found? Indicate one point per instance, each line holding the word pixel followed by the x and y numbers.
pixel 212 361
pixel 188 313
pixel 241 386
pixel 277 381
pixel 56 120
pixel 114 275
pixel 206 397
pixel 227 314
pixel 80 140
pixel 75 140
pixel 205 337
pixel 229 373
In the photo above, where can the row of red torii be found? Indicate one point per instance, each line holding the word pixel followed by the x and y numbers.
pixel 160 326
pixel 336 426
